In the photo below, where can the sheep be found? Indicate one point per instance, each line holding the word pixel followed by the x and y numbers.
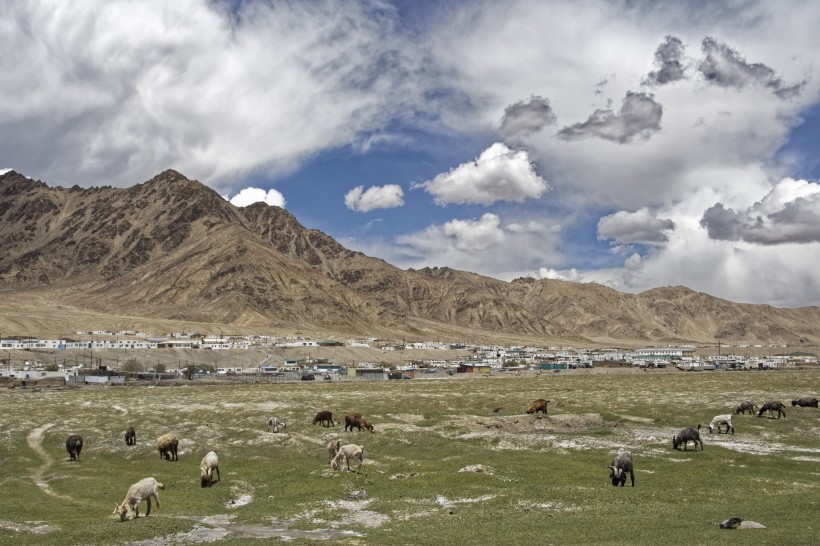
pixel 771 407
pixel 347 452
pixel 143 490
pixel 354 419
pixel 685 436
pixel 805 402
pixel 619 467
pixel 744 407
pixel 332 449
pixel 718 421
pixel 324 417
pixel 210 462
pixel 130 437
pixel 167 445
pixel 538 405
pixel 74 445
pixel 275 424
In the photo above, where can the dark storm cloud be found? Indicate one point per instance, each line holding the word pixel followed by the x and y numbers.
pixel 725 67
pixel 638 118
pixel 668 59
pixel 527 117
pixel 796 221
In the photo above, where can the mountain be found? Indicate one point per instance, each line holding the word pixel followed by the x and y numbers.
pixel 173 249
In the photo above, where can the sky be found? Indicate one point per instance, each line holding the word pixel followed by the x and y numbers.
pixel 635 144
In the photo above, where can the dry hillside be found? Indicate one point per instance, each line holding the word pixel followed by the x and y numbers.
pixel 171 251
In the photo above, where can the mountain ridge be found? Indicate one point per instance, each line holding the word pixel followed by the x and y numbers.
pixel 171 248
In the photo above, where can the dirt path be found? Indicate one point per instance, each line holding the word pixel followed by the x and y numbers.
pixel 35 442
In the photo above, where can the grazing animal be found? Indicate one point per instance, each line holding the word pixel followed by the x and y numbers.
pixel 746 406
pixel 719 421
pixel 210 462
pixel 805 402
pixel 143 490
pixel 619 468
pixel 347 452
pixel 771 407
pixel 538 405
pixel 354 419
pixel 74 445
pixel 323 418
pixel 685 436
pixel 167 445
pixel 332 449
pixel 130 437
pixel 275 424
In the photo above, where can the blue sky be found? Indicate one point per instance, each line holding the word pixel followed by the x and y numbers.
pixel 634 144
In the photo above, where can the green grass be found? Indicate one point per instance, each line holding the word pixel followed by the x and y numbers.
pixel 545 479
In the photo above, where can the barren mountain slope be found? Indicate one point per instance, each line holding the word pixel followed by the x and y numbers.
pixel 171 248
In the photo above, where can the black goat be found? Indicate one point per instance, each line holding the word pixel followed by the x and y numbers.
pixel 685 436
pixel 771 407
pixel 74 445
pixel 805 402
pixel 130 437
pixel 619 467
pixel 744 407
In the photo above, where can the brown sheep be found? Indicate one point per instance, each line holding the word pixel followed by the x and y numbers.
pixel 167 445
pixel 354 419
pixel 538 405
pixel 324 417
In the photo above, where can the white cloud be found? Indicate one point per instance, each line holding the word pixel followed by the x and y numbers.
pixel 118 91
pixel 634 227
pixel 498 174
pixel 375 197
pixel 790 213
pixel 249 196
pixel 565 275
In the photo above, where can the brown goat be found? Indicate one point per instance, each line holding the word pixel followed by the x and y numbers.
pixel 167 445
pixel 538 405
pixel 354 419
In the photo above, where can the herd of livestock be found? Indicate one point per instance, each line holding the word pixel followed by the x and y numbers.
pixel 339 454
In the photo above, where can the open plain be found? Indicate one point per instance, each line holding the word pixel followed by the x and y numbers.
pixel 454 460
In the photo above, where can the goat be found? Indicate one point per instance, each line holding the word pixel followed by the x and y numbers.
pixel 354 419
pixel 332 449
pixel 324 417
pixel 685 436
pixel 744 407
pixel 771 407
pixel 805 402
pixel 143 490
pixel 74 445
pixel 718 421
pixel 130 437
pixel 210 462
pixel 347 452
pixel 275 424
pixel 619 467
pixel 167 445
pixel 538 405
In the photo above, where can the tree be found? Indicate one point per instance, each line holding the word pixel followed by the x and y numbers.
pixel 132 365
pixel 160 368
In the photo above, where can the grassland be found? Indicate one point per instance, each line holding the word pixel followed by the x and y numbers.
pixel 442 468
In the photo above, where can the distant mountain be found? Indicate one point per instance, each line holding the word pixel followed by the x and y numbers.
pixel 171 248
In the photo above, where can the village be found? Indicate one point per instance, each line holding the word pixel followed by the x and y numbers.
pixel 74 359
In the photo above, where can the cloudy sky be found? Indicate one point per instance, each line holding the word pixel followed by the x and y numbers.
pixel 634 144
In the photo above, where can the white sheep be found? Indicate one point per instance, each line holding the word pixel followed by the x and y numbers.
pixel 719 421
pixel 143 490
pixel 332 449
pixel 347 452
pixel 210 462
pixel 274 424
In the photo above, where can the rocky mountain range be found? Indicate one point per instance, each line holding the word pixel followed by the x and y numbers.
pixel 173 249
